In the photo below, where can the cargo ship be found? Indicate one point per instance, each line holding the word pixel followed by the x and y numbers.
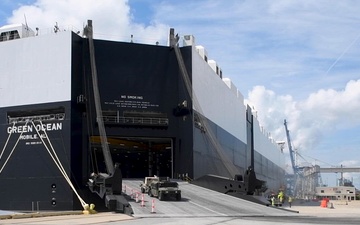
pixel 72 105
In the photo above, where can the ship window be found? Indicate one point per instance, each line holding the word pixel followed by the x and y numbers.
pixel 10 35
pixel 14 35
pixel 3 36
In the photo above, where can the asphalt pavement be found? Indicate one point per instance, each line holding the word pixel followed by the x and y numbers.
pixel 202 206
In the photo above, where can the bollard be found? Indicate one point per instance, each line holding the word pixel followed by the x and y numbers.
pixel 136 197
pixel 142 200
pixel 153 206
pixel 125 189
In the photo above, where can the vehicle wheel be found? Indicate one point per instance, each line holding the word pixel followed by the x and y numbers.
pixel 161 197
pixel 178 197
pixel 142 190
pixel 149 193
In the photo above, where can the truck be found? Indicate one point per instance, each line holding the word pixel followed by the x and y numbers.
pixel 144 187
pixel 165 189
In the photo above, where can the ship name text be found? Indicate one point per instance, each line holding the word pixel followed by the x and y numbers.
pixel 38 127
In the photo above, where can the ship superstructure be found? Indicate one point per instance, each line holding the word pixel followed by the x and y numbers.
pixel 155 124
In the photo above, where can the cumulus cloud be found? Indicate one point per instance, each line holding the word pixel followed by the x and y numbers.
pixel 336 108
pixel 111 19
pixel 349 163
pixel 323 112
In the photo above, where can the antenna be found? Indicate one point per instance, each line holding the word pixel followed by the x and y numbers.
pixel 26 27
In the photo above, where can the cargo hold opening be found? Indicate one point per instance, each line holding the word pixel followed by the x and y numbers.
pixel 138 157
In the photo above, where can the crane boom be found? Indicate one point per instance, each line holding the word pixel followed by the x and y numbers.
pixel 291 151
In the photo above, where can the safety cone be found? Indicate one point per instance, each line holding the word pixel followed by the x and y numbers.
pixel 153 206
pixel 142 200
pixel 136 197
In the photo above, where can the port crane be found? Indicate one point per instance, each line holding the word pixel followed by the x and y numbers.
pixel 291 151
pixel 303 182
pixel 295 180
pixel 291 178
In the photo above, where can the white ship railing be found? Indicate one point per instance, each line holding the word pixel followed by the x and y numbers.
pixel 23 119
pixel 145 121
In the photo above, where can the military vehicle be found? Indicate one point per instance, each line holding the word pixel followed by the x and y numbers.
pixel 165 189
pixel 144 187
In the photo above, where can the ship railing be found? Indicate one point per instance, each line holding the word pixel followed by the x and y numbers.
pixel 57 29
pixel 135 121
pixel 47 117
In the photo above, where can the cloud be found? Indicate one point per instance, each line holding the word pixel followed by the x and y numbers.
pixel 350 163
pixel 322 113
pixel 111 19
pixel 275 42
pixel 336 109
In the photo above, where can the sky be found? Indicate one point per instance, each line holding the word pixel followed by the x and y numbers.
pixel 293 60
